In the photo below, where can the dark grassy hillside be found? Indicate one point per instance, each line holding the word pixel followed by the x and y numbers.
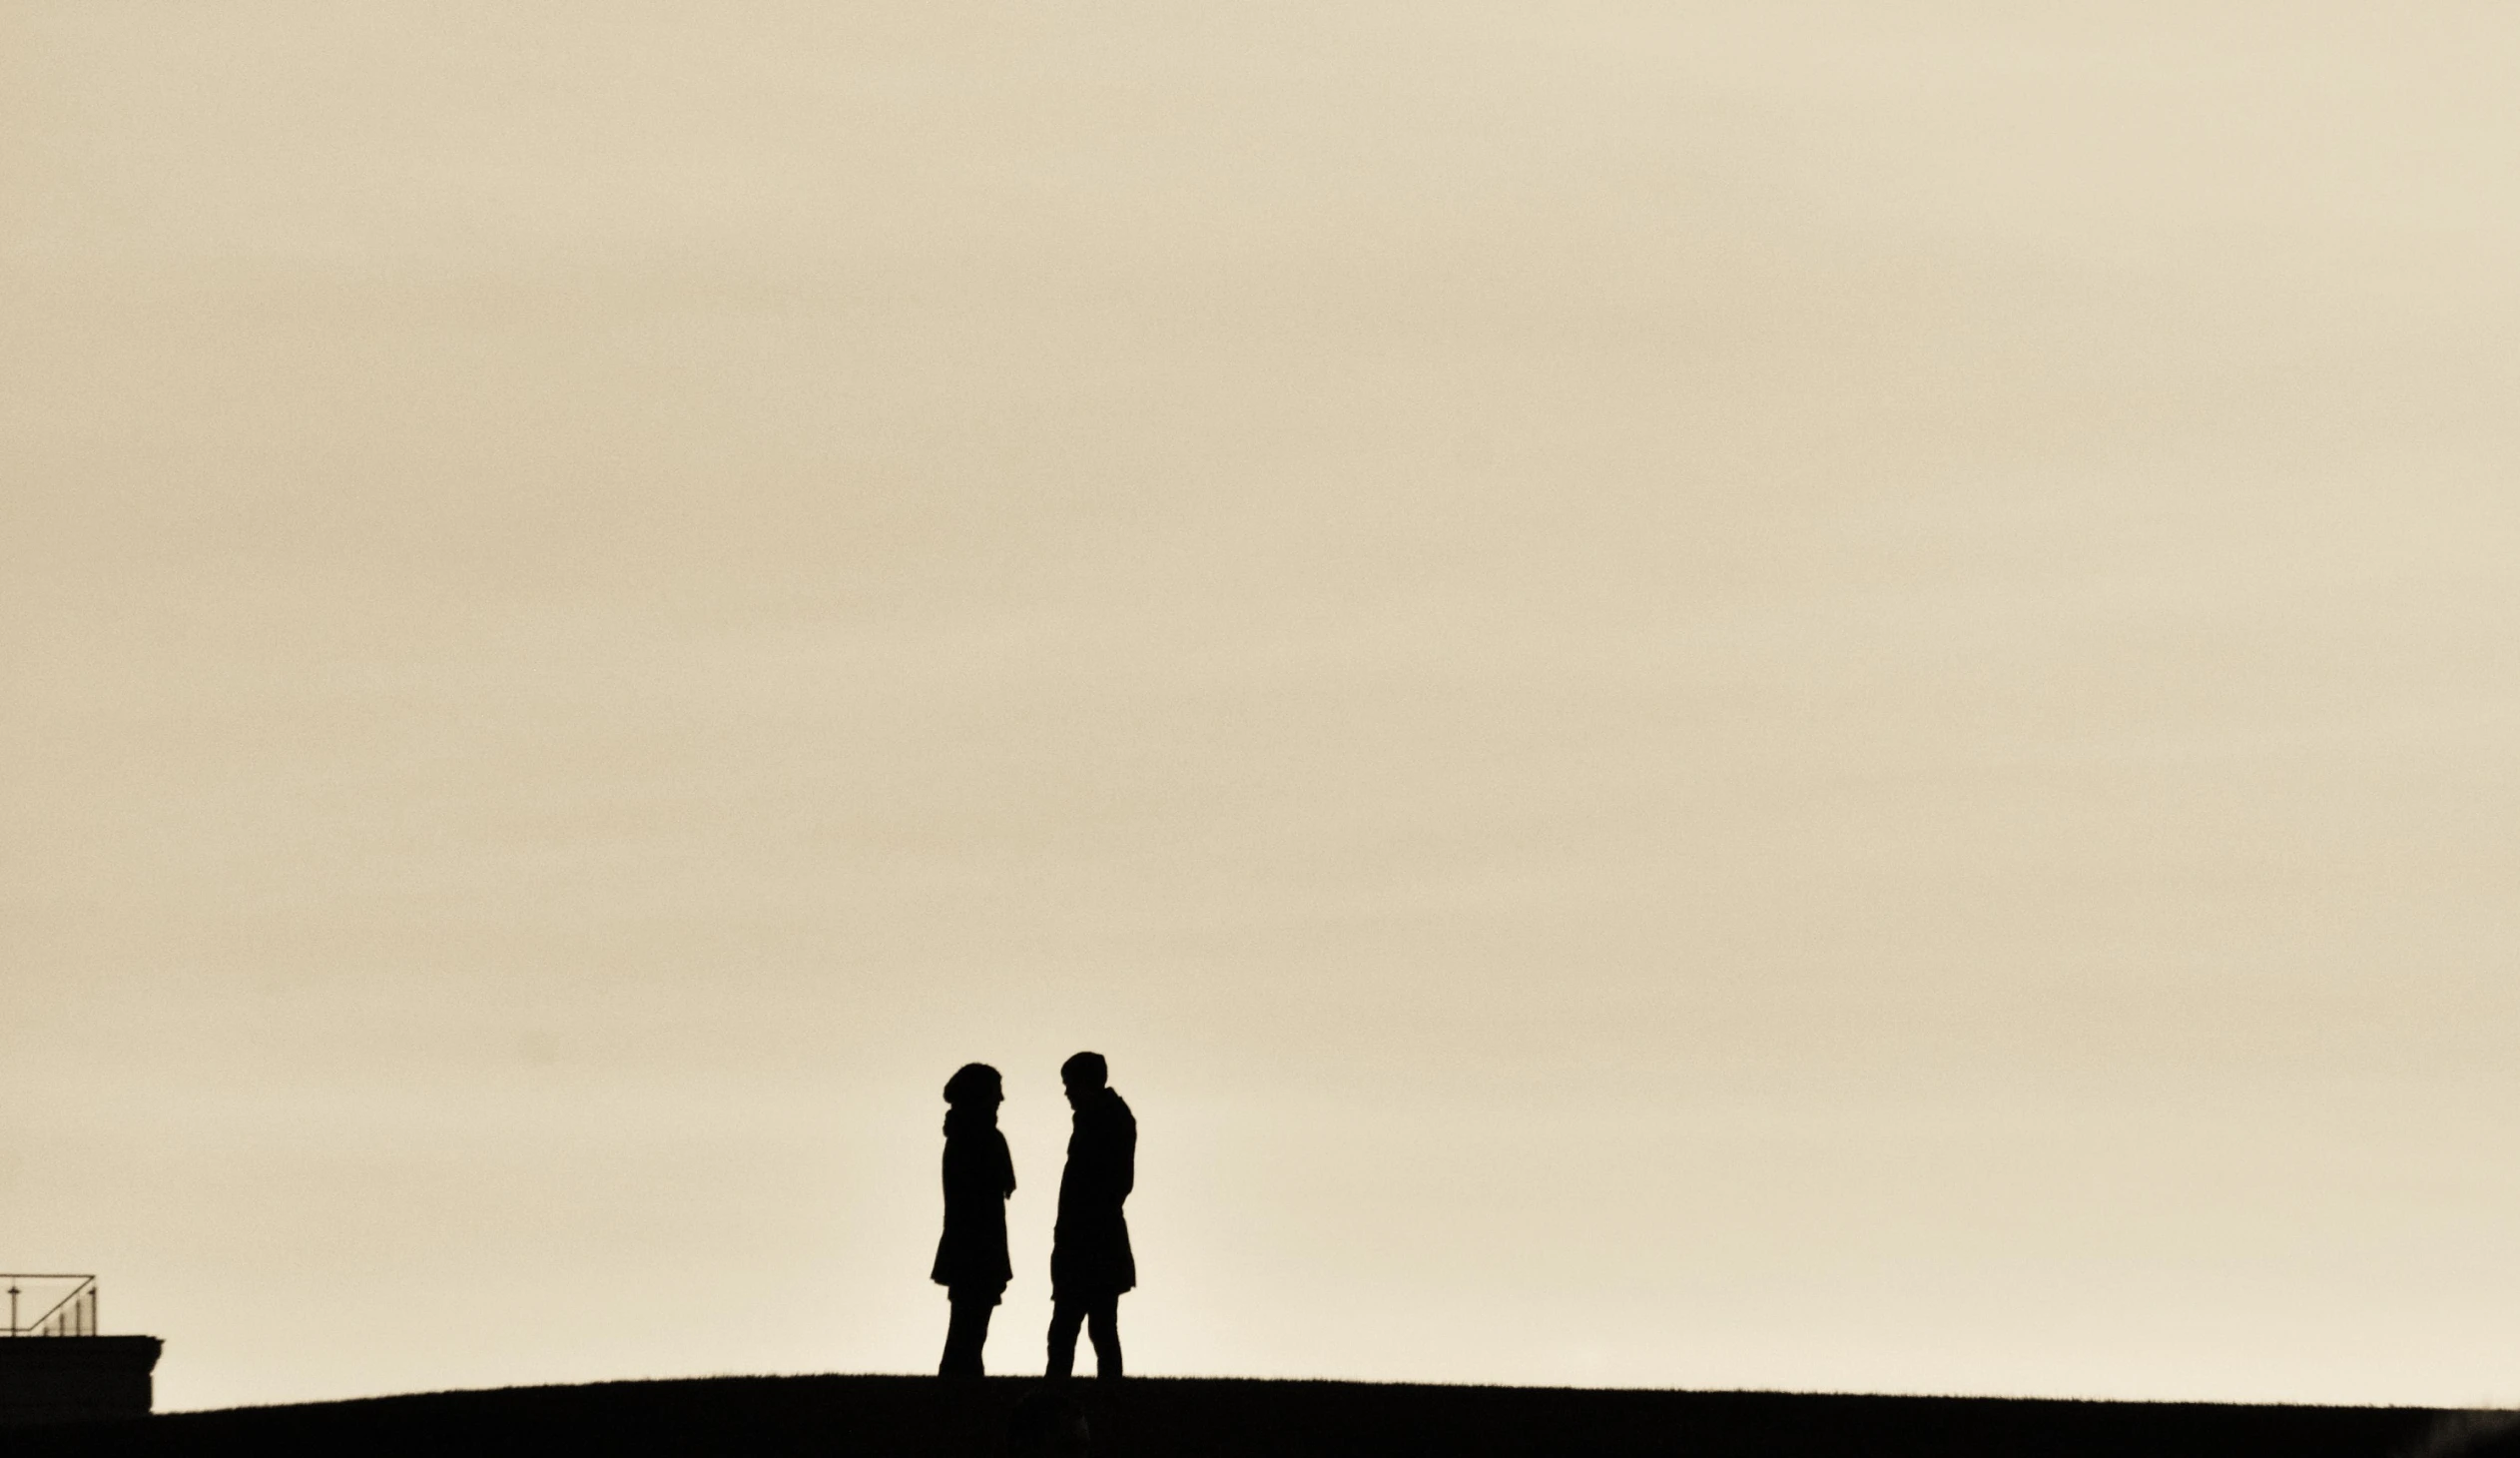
pixel 925 1417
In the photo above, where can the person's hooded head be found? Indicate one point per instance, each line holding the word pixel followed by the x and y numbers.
pixel 975 1088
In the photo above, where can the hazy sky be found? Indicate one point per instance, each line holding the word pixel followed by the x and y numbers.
pixel 1754 694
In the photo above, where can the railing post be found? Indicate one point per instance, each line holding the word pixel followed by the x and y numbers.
pixel 75 1314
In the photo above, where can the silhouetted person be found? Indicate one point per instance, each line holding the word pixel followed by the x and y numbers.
pixel 978 1176
pixel 1091 1263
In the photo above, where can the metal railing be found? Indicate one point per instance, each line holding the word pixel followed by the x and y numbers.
pixel 72 1314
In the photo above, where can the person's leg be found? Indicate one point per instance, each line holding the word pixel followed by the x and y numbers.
pixel 1066 1317
pixel 965 1338
pixel 1103 1321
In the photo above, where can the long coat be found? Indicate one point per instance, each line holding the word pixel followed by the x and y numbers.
pixel 1089 1252
pixel 978 1176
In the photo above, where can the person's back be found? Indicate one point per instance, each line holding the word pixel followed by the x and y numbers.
pixel 1090 1260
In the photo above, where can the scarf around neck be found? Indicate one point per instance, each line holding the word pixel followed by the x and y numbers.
pixel 961 1121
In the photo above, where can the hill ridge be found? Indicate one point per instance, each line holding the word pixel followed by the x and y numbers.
pixel 1246 1417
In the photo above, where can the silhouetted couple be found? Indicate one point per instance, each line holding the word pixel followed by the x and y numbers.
pixel 1090 1262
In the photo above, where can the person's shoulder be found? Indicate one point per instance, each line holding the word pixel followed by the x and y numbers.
pixel 1119 1107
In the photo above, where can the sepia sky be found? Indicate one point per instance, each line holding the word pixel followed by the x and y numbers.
pixel 1699 694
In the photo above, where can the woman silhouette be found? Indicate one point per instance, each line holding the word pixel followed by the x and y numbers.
pixel 978 1176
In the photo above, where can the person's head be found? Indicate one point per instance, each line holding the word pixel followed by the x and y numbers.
pixel 974 1086
pixel 1084 1075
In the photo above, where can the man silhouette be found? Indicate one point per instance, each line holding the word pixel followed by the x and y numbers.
pixel 1091 1263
